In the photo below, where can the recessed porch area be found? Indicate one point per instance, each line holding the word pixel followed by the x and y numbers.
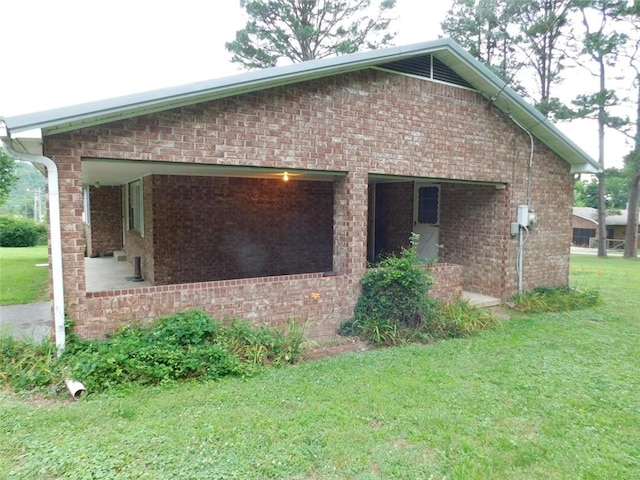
pixel 108 274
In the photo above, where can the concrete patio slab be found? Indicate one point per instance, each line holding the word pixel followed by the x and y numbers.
pixel 31 321
pixel 107 273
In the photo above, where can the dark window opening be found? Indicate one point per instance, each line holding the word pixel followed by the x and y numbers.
pixel 428 205
pixel 581 236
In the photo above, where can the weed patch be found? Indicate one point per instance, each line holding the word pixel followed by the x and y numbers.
pixel 458 319
pixel 27 366
pixel 187 345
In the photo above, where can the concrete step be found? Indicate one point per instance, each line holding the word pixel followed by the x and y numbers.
pixel 120 256
pixel 479 300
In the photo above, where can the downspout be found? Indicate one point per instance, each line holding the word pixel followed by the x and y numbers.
pixel 55 231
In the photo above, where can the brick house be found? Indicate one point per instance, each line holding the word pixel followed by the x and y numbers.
pixel 585 228
pixel 265 194
pixel 584 224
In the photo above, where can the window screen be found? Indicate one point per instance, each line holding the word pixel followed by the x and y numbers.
pixel 428 205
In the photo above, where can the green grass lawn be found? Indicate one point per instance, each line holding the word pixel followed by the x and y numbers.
pixel 20 280
pixel 544 396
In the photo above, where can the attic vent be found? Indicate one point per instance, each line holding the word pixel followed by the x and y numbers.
pixel 427 66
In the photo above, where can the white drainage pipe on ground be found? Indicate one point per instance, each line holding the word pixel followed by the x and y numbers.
pixel 76 389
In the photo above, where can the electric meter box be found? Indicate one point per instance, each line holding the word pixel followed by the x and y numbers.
pixel 523 215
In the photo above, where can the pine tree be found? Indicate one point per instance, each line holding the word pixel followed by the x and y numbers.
pixel 300 30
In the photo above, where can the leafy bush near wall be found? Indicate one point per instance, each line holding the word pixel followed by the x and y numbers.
pixel 187 345
pixel 394 299
pixel 555 299
pixel 395 307
pixel 21 232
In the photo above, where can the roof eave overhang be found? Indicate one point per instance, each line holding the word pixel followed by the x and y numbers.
pixel 95 113
pixel 459 60
pixel 514 106
pixel 585 218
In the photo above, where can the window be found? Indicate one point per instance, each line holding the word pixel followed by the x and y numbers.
pixel 428 204
pixel 581 236
pixel 135 211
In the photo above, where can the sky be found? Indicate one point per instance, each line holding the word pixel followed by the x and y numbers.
pixel 64 52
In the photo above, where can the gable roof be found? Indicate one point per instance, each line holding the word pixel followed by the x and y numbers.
pixel 588 213
pixel 446 51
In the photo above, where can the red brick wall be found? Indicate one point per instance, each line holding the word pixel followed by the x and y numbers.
pixel 319 302
pixel 106 220
pixel 364 123
pixel 580 222
pixel 219 228
pixel 474 227
pixel 547 248
pixel 448 281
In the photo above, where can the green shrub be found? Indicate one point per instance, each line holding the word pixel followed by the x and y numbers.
pixel 187 345
pixel 395 308
pixel 21 232
pixel 394 299
pixel 555 299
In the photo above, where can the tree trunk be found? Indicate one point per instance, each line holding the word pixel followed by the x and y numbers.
pixel 631 235
pixel 602 207
pixel 633 164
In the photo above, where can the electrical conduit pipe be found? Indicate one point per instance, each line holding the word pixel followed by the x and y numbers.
pixel 54 228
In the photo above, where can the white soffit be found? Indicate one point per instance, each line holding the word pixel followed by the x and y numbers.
pixel 103 172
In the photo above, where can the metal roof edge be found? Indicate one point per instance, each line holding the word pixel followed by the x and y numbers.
pixel 503 90
pixel 127 106
pixel 181 95
pixel 585 218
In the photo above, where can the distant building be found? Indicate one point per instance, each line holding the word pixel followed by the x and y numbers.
pixel 585 227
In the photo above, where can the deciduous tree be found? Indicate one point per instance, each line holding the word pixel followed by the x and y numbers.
pixel 7 175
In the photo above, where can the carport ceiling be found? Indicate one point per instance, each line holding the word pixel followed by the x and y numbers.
pixel 118 172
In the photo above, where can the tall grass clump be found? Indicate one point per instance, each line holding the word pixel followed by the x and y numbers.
pixel 28 365
pixel 555 299
pixel 458 319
